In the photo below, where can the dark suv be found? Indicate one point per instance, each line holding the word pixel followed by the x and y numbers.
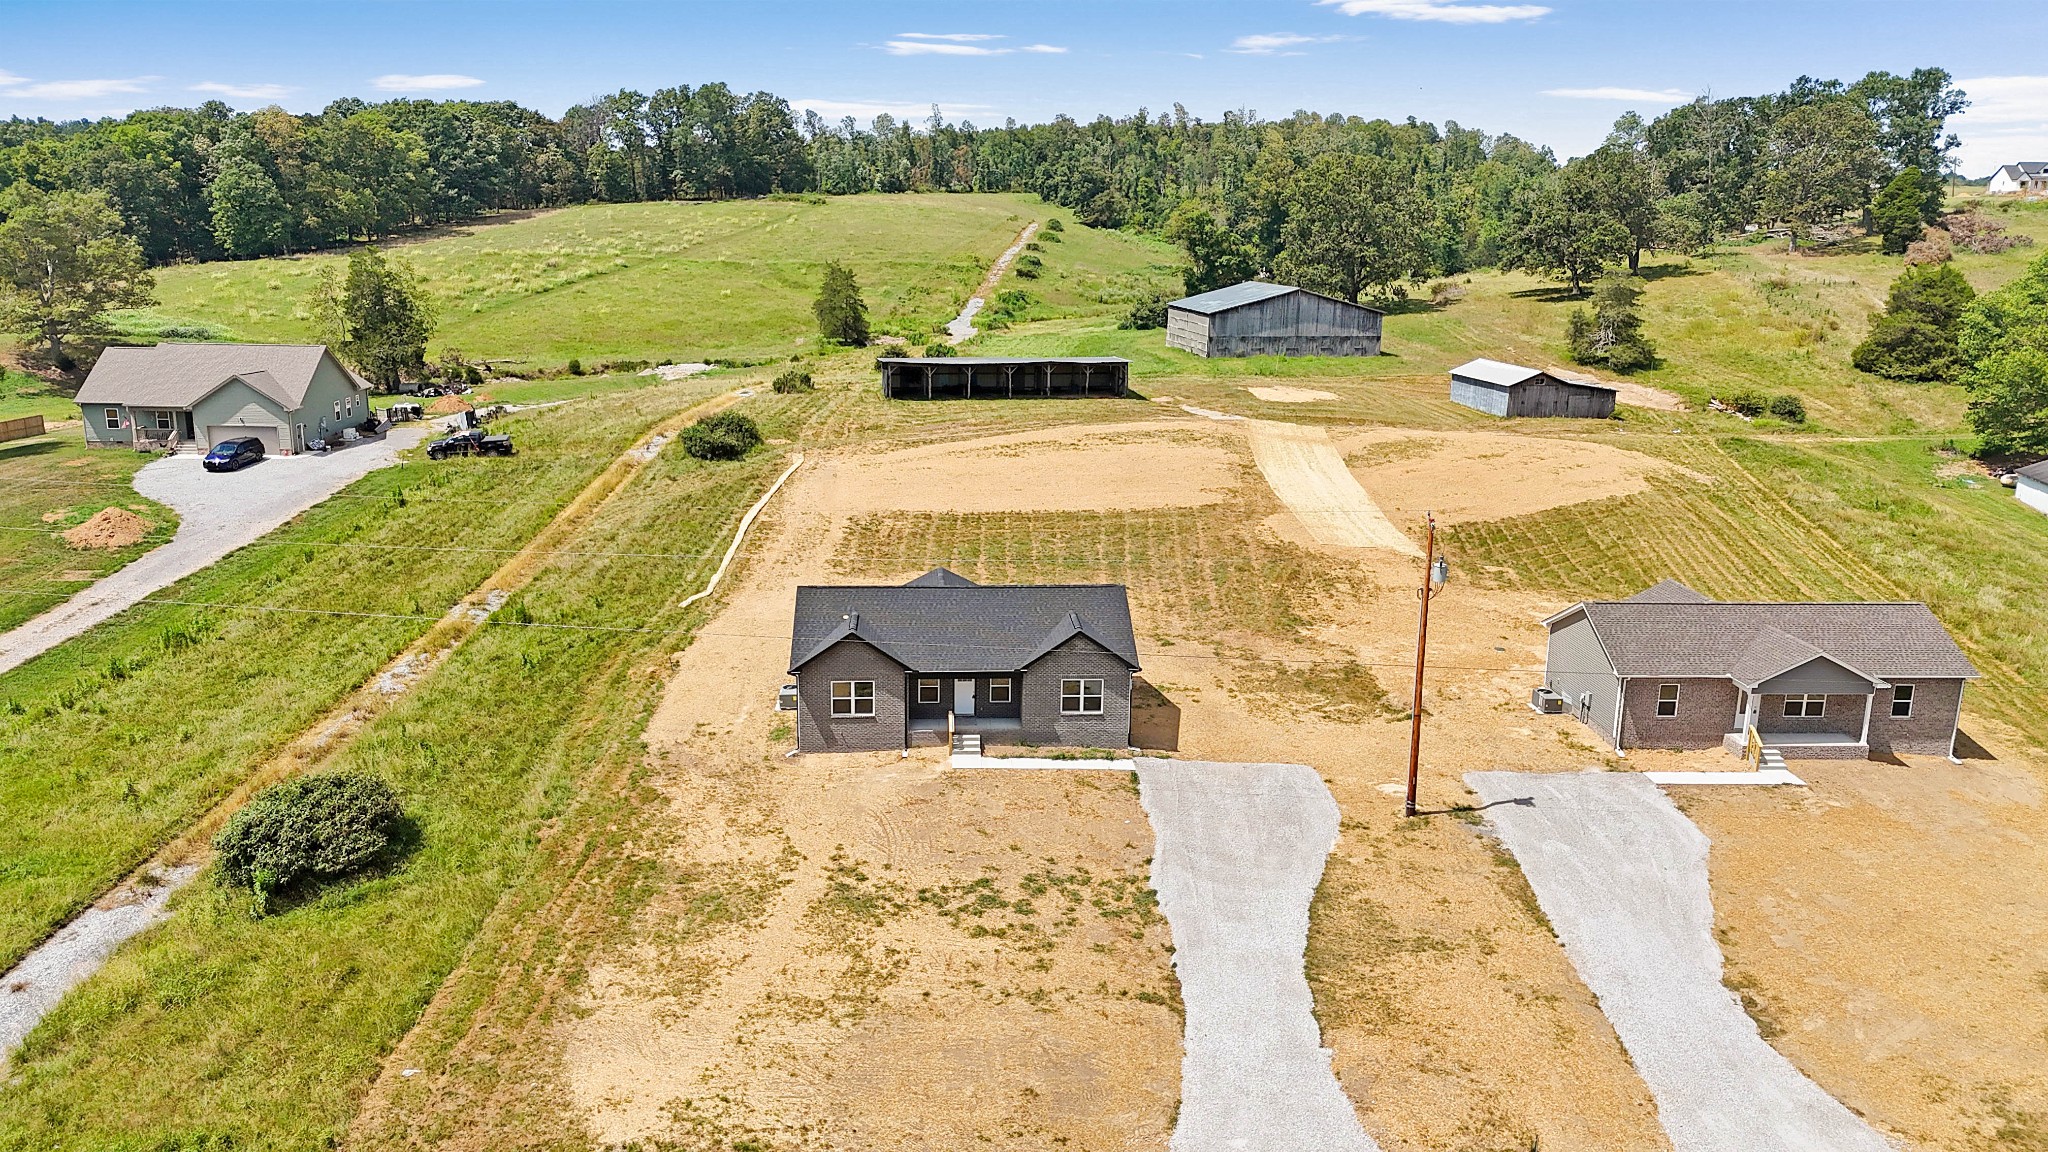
pixel 229 455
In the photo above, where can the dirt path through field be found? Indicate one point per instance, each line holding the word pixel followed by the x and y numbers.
pixel 74 952
pixel 961 327
pixel 1308 476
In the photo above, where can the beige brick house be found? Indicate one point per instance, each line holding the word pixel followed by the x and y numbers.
pixel 1669 668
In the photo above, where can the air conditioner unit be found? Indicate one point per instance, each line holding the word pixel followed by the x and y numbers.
pixel 1544 700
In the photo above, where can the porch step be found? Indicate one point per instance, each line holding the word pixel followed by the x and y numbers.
pixel 966 744
pixel 1771 761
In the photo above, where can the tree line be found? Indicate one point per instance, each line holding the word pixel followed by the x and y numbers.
pixel 1351 205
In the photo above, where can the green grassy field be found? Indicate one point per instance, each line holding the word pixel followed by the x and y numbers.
pixel 51 483
pixel 654 281
pixel 24 395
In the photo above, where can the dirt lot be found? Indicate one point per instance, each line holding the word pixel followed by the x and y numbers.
pixel 1466 476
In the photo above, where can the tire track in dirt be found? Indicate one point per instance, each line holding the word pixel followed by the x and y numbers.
pixel 182 859
pixel 1307 474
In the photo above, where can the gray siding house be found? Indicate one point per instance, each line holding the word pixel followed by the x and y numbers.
pixel 1260 319
pixel 286 395
pixel 1512 390
pixel 1669 668
pixel 2030 486
pixel 880 668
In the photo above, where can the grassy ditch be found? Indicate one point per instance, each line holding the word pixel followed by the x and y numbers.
pixel 112 743
pixel 222 1029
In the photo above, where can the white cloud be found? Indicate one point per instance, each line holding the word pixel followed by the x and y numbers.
pixel 245 91
pixel 1275 43
pixel 1440 11
pixel 2007 120
pixel 432 82
pixel 866 110
pixel 23 87
pixel 957 44
pixel 1640 95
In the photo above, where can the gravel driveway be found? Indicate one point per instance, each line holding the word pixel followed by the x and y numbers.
pixel 1622 874
pixel 218 513
pixel 1309 476
pixel 1239 850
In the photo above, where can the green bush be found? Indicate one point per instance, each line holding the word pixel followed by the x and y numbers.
pixel 1788 408
pixel 575 367
pixel 940 349
pixel 1147 312
pixel 721 436
pixel 1054 225
pixel 793 380
pixel 1029 267
pixel 309 829
pixel 1747 401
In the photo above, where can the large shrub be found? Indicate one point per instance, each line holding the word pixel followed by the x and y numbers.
pixel 1915 337
pixel 1148 312
pixel 309 829
pixel 842 314
pixel 1613 333
pixel 721 436
pixel 793 380
pixel 2002 340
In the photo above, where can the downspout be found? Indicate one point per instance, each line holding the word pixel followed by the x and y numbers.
pixel 1620 701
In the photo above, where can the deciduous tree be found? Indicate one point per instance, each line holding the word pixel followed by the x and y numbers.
pixel 1823 162
pixel 64 263
pixel 1355 225
pixel 1566 231
pixel 2003 342
pixel 377 316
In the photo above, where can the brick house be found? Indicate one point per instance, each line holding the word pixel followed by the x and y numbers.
pixel 1669 668
pixel 886 667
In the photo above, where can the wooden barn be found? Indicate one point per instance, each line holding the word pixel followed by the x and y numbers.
pixel 1512 390
pixel 1002 377
pixel 1259 319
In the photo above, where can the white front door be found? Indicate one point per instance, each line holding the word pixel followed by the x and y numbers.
pixel 963 696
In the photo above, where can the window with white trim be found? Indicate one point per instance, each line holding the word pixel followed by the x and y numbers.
pixel 928 692
pixel 999 689
pixel 1902 701
pixel 1806 704
pixel 337 409
pixel 1081 697
pixel 112 417
pixel 349 406
pixel 853 698
pixel 1667 700
pixel 163 421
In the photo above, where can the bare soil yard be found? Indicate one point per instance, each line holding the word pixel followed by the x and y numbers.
pixel 1167 464
pixel 1468 476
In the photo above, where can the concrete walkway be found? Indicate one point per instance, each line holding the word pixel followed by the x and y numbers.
pixel 1622 875
pixel 218 513
pixel 1239 850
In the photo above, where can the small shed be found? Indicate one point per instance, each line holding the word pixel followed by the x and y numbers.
pixel 1002 377
pixel 2030 485
pixel 1260 319
pixel 1512 390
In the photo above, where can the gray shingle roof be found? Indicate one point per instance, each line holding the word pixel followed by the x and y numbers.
pixel 2036 472
pixel 1679 638
pixel 937 625
pixel 1667 592
pixel 179 375
pixel 2026 168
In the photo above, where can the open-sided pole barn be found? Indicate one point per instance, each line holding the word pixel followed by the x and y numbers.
pixel 1002 377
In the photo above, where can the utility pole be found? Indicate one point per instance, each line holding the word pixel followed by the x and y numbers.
pixel 1435 572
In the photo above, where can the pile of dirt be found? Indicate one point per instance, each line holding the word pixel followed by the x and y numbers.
pixel 449 406
pixel 109 528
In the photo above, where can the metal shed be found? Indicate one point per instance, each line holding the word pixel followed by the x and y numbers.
pixel 1512 390
pixel 1260 319
pixel 1002 377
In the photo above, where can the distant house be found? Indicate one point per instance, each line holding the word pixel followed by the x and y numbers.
pixel 1669 668
pixel 881 667
pixel 1260 319
pixel 2027 176
pixel 1002 377
pixel 2030 484
pixel 286 395
pixel 1512 390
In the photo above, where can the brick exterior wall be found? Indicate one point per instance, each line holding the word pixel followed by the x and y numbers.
pixel 1929 731
pixel 817 730
pixel 1706 713
pixel 1078 657
pixel 1844 716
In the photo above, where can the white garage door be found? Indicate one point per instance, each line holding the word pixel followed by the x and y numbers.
pixel 272 442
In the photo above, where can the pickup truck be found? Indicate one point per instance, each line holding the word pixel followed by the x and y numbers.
pixel 470 443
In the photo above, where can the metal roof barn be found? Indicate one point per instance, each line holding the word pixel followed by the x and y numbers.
pixel 1260 319
pixel 1511 390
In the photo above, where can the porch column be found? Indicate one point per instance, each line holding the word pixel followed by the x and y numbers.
pixel 1868 702
pixel 1749 718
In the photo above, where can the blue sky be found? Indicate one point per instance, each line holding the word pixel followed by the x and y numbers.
pixel 1552 71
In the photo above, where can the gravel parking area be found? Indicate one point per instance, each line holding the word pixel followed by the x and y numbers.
pixel 1239 850
pixel 1622 875
pixel 218 513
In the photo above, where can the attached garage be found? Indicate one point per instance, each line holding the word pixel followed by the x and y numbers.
pixel 273 439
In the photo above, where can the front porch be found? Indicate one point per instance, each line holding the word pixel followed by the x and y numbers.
pixel 926 732
pixel 1803 745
